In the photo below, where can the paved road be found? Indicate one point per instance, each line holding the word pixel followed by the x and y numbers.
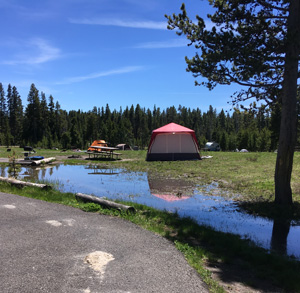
pixel 48 247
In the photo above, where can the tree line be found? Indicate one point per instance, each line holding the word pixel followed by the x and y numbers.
pixel 42 123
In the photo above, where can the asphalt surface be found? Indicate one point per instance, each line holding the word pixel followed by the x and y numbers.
pixel 47 247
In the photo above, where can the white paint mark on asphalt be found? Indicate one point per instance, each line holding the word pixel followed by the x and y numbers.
pixel 54 223
pixel 98 261
pixel 69 222
pixel 87 290
pixel 9 206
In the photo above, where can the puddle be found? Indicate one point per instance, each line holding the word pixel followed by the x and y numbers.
pixel 215 211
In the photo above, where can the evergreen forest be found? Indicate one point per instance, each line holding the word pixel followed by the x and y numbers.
pixel 42 123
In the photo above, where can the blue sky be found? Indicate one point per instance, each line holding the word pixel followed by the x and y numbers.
pixel 90 53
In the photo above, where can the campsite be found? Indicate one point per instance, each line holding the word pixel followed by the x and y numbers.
pixel 246 174
pixel 180 118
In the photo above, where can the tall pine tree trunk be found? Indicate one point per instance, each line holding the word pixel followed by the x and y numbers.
pixel 288 127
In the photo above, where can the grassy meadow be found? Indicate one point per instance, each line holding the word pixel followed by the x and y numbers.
pixel 226 262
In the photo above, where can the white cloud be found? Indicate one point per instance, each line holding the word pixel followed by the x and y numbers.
pixel 146 24
pixel 100 74
pixel 35 51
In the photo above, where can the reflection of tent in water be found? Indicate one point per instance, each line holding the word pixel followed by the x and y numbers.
pixel 173 142
pixel 97 143
pixel 170 189
pixel 171 197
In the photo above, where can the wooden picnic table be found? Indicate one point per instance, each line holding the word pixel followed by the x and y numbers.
pixel 104 151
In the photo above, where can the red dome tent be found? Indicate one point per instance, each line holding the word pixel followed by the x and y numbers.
pixel 173 142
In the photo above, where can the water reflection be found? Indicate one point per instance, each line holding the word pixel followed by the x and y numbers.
pixel 171 195
pixel 171 189
pixel 96 170
pixel 280 232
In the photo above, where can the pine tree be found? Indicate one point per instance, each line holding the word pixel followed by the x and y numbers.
pixel 17 117
pixel 3 110
pixel 256 45
pixel 32 131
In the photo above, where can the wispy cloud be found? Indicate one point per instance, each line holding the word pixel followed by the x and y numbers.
pixel 174 43
pixel 143 24
pixel 35 51
pixel 95 75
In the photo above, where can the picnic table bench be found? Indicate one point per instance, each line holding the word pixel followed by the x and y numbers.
pixel 103 152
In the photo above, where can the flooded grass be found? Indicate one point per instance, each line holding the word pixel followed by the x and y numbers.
pixel 208 205
pixel 250 174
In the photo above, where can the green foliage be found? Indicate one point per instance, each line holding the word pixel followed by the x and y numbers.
pixel 14 168
pixel 47 125
pixel 244 46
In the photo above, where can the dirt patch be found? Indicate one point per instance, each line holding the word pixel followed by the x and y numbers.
pixel 177 187
pixel 98 260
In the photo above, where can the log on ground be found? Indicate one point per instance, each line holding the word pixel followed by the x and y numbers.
pixel 43 161
pixel 20 183
pixel 104 202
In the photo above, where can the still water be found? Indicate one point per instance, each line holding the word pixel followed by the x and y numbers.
pixel 214 211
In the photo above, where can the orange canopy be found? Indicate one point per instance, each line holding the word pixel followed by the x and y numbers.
pixel 97 143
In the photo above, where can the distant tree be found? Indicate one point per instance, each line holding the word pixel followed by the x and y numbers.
pixel 4 123
pixel 60 122
pixel 66 140
pixel 51 114
pixel 76 140
pixel 221 120
pixel 32 117
pixel 128 132
pixel 3 109
pixel 17 121
pixel 184 117
pixel 232 144
pixel 210 119
pixel 45 129
pixel 156 118
pixel 223 141
pixel 150 120
pixel 255 44
pixel 275 125
pixel 15 114
pixel 92 126
pixel 172 115
pixel 265 140
pixel 144 134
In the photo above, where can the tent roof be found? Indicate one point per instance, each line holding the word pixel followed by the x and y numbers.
pixel 172 127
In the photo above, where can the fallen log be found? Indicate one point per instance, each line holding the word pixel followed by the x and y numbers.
pixel 104 202
pixel 20 183
pixel 43 161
